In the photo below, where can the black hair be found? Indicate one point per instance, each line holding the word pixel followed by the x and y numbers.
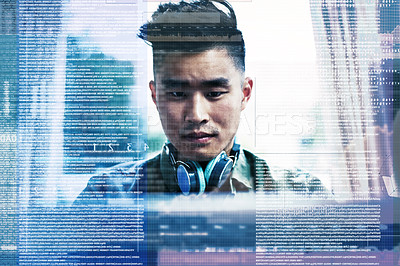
pixel 195 26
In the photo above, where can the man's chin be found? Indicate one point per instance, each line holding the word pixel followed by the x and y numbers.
pixel 198 156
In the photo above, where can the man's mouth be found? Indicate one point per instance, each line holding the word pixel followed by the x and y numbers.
pixel 199 137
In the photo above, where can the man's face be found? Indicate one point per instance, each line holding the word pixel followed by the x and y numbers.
pixel 199 97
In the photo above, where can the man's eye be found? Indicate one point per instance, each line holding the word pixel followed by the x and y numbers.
pixel 215 94
pixel 176 94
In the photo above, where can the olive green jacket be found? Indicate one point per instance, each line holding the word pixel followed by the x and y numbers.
pixel 156 175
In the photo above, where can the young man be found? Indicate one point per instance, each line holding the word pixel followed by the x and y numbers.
pixel 200 90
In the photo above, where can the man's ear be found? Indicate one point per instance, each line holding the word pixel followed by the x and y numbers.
pixel 152 87
pixel 246 90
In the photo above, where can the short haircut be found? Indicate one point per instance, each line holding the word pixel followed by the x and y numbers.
pixel 194 27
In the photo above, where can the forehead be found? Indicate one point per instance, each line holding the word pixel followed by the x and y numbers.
pixel 205 64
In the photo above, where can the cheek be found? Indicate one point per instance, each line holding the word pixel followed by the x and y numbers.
pixel 228 115
pixel 169 113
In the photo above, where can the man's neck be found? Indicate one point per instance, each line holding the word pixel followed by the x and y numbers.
pixel 204 164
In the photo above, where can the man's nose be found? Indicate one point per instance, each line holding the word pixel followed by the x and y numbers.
pixel 197 109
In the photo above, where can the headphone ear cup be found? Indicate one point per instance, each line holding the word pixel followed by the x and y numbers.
pixel 183 177
pixel 190 178
pixel 218 170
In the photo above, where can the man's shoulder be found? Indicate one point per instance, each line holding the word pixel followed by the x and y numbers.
pixel 124 175
pixel 274 178
pixel 259 172
pixel 134 166
pixel 122 180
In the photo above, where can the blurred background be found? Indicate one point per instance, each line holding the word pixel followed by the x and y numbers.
pixel 326 84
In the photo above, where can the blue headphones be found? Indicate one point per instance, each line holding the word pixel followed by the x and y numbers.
pixel 190 175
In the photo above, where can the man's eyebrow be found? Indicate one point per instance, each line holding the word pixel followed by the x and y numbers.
pixel 211 83
pixel 174 83
pixel 218 82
